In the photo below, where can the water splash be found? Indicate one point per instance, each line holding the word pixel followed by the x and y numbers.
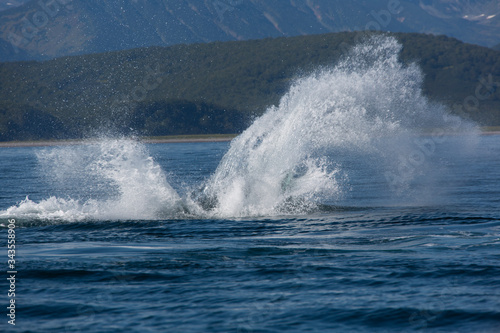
pixel 369 106
pixel 111 179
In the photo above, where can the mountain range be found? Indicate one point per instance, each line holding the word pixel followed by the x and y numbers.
pixel 45 29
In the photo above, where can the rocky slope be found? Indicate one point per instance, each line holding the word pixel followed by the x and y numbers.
pixel 51 28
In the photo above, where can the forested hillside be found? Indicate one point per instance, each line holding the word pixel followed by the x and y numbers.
pixel 216 87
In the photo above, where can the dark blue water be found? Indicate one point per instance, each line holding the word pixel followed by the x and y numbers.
pixel 423 260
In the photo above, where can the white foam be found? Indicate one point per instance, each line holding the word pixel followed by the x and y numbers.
pixel 369 105
pixel 131 184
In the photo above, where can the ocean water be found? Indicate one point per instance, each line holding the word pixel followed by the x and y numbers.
pixel 356 204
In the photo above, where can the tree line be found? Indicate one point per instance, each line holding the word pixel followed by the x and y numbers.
pixel 216 87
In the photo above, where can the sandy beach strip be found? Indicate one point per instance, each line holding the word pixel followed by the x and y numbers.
pixel 162 139
pixel 190 138
pixel 165 139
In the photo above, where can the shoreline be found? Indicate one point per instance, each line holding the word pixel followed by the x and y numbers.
pixel 153 140
pixel 162 139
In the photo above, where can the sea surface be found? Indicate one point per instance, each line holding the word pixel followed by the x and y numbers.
pixel 355 205
pixel 371 263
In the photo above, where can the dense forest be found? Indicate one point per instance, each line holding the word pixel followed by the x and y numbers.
pixel 216 87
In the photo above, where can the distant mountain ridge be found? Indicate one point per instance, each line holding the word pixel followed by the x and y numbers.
pixel 44 29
